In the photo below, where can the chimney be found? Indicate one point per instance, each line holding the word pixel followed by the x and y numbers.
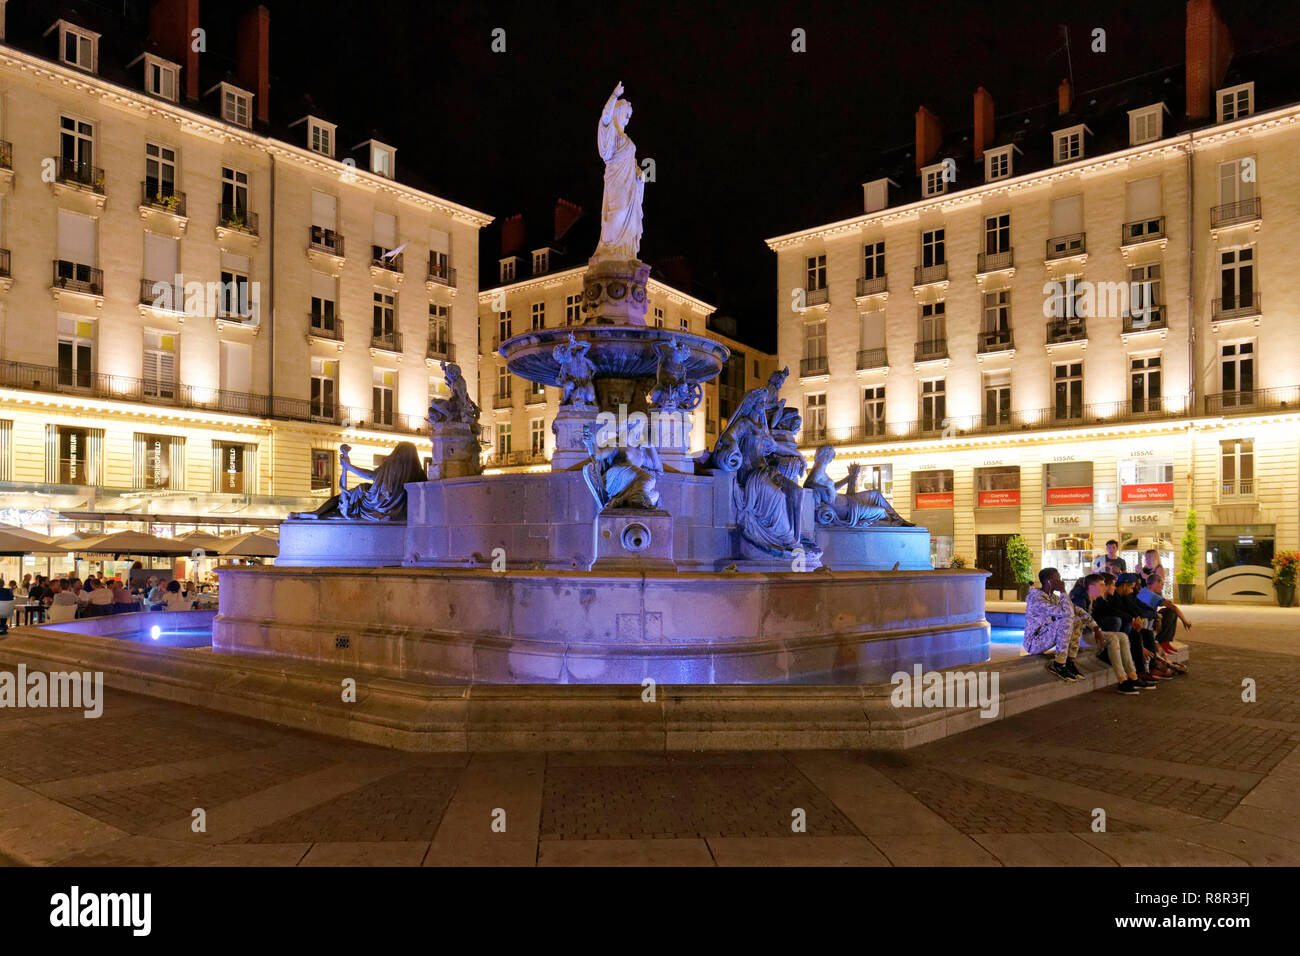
pixel 929 132
pixel 253 59
pixel 171 28
pixel 983 122
pixel 512 235
pixel 1209 50
pixel 1064 97
pixel 566 214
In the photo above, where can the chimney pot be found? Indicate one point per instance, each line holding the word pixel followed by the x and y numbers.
pixel 929 134
pixel 171 27
pixel 253 59
pixel 512 235
pixel 1209 51
pixel 1064 97
pixel 566 214
pixel 983 122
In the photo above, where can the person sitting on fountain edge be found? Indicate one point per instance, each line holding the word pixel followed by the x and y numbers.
pixel 1053 623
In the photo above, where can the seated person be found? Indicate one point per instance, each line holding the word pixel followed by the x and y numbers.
pixel 1168 613
pixel 63 597
pixel 1053 623
pixel 1147 655
pixel 1150 565
pixel 176 601
pixel 7 601
pixel 100 600
pixel 124 599
pixel 1118 648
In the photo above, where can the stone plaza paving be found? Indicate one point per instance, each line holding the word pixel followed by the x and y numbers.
pixel 1187 774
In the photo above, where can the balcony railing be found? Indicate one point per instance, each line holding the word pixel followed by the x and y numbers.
pixel 6 155
pixel 76 277
pixel 1026 420
pixel 237 217
pixel 987 262
pixel 84 175
pixel 930 350
pixel 5 272
pixel 1237 488
pixel 161 294
pixel 1062 247
pixel 441 272
pixel 325 326
pixel 816 296
pixel 872 358
pixel 1154 317
pixel 503 401
pixel 1247 401
pixel 1066 330
pixel 873 286
pixel 383 420
pixel 325 240
pixel 161 196
pixel 378 260
pixel 816 365
pixel 1232 213
pixel 1237 307
pixel 1142 230
pixel 924 275
pixel 388 341
pixel 443 350
pixel 532 397
pixel 998 340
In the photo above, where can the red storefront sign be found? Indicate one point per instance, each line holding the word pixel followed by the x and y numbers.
pixel 1152 491
pixel 1070 496
pixel 998 499
pixel 934 499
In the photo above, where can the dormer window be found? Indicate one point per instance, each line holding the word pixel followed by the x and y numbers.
pixel 380 158
pixel 541 261
pixel 320 136
pixel 236 105
pixel 1236 102
pixel 161 77
pixel 1145 125
pixel 508 269
pixel 998 163
pixel 932 181
pixel 77 46
pixel 875 194
pixel 1068 144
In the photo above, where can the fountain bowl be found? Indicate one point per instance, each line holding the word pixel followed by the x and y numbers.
pixel 617 351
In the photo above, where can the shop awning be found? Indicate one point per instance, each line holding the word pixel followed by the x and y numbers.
pixel 138 543
pixel 251 545
pixel 12 544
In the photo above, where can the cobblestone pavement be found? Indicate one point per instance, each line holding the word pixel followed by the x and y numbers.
pixel 1187 774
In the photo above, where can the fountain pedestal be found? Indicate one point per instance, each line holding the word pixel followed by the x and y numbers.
pixel 455 451
pixel 614 291
pixel 639 539
pixel 570 420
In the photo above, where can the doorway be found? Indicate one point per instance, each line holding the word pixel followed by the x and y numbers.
pixel 991 556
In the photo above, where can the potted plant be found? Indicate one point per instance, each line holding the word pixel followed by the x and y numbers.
pixel 957 561
pixel 1286 565
pixel 1022 565
pixel 1185 576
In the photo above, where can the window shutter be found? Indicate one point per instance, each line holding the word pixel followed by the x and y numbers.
pixel 1143 199
pixel 1067 216
pixel 160 259
pixel 440 242
pixel 76 238
pixel 323 286
pixel 324 210
pixel 385 230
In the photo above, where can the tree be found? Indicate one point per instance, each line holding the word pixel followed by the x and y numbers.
pixel 1186 573
pixel 1021 560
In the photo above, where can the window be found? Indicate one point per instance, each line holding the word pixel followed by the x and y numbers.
pixel 573 309
pixel 236 299
pixel 539 315
pixel 439 330
pixel 508 269
pixel 160 171
pixel 1144 383
pixel 536 392
pixel 1237 466
pixel 875 194
pixel 381 395
pixel 159 375
pixel 1237 180
pixel 997 163
pixel 873 410
pixel 76 249
pixel 503 440
pixel 873 260
pixel 1142 219
pixel 236 105
pixel 997 234
pixel 1068 144
pixel 234 194
pixel 320 137
pixel 997 319
pixel 322 469
pixel 871 331
pixel 537 436
pixel 503 382
pixel 76 145
pixel 814 347
pixel 160 77
pixel 382 159
pixel 154 460
pixel 503 326
pixel 933 404
pixel 384 326
pixel 76 352
pixel 814 419
pixel 1144 125
pixel 1067 300
pixel 77 47
pixel 932 330
pixel 932 249
pixel 324 291
pixel 932 181
pixel 1237 277
pixel 1237 374
pixel 659 317
pixel 997 398
pixel 541 261
pixel 236 359
pixel 1144 295
pixel 1068 381
pixel 682 324
pixel 1066 225
pixel 231 461
pixel 73 455
pixel 878 478
pixel 816 273
pixel 324 378
pixel 1236 102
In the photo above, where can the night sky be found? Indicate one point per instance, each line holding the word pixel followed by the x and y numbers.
pixel 749 139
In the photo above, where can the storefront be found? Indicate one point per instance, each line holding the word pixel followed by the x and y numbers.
pixel 997 519
pixel 1067 518
pixel 932 506
pixel 1239 563
pixel 1146 511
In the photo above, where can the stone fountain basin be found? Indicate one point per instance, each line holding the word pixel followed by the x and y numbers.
pixel 617 351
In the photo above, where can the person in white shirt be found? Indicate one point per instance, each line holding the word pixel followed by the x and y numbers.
pixel 62 596
pixel 175 600
pixel 100 598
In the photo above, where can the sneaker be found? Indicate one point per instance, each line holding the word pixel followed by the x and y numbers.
pixel 1060 670
pixel 1167 647
pixel 1128 687
pixel 1073 670
pixel 1145 684
pixel 1156 675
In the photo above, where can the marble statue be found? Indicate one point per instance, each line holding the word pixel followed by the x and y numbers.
pixel 381 497
pixel 576 371
pixel 459 407
pixel 768 505
pixel 672 390
pixel 785 433
pixel 757 404
pixel 620 211
pixel 624 476
pixel 853 509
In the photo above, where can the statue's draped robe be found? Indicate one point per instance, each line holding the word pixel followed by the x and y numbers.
pixel 384 498
pixel 620 213
pixel 865 507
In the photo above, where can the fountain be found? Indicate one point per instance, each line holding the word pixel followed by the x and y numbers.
pixel 635 557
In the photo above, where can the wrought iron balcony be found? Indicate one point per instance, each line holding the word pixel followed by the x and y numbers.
pixel 1152 317
pixel 1063 247
pixel 83 175
pixel 987 262
pixel 924 275
pixel 388 341
pixel 441 349
pixel 931 350
pixel 1060 331
pixel 380 260
pixel 237 217
pixel 1237 307
pixel 997 340
pixel 1234 213
pixel 76 277
pixel 503 401
pixel 815 365
pixel 816 296
pixel 1247 401
pixel 325 240
pixel 873 286
pixel 162 197
pixel 872 358
pixel 1142 230
pixel 162 294
pixel 440 272
pixel 325 326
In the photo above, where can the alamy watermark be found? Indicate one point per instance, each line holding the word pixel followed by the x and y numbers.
pixel 946 689
pixel 77 690
pixel 662 428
